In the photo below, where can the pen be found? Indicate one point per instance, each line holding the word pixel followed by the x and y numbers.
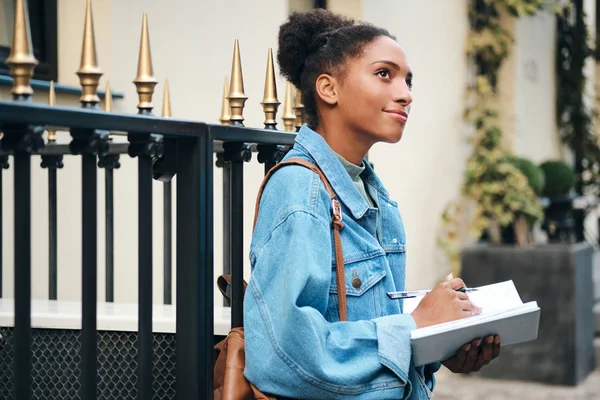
pixel 415 293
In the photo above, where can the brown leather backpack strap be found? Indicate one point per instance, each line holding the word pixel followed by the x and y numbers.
pixel 224 285
pixel 336 218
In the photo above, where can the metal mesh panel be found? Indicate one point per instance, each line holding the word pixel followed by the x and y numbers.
pixel 56 365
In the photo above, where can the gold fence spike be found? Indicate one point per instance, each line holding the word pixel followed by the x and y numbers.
pixel 21 60
pixel 299 108
pixel 108 103
pixel 225 109
pixel 145 81
pixel 89 73
pixel 51 95
pixel 237 98
pixel 166 109
pixel 108 100
pixel 51 102
pixel 270 102
pixel 289 117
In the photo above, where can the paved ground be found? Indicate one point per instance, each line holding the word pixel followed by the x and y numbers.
pixel 452 386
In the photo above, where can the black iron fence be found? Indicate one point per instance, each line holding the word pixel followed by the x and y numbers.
pixel 186 150
pixel 164 148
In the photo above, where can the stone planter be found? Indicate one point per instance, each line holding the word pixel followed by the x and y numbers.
pixel 559 278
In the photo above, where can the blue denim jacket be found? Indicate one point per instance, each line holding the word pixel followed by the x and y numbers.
pixel 296 347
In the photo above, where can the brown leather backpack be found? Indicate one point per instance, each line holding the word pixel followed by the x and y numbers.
pixel 229 380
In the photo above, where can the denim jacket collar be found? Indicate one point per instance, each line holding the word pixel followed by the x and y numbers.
pixel 326 159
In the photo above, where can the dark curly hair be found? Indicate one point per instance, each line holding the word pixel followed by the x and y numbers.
pixel 317 42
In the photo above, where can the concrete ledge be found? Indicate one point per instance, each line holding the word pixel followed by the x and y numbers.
pixel 119 317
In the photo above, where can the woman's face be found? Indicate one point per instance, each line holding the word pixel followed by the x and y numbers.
pixel 374 96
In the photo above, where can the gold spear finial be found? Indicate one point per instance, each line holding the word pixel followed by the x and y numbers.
pixel 270 102
pixel 89 73
pixel 51 102
pixel 108 100
pixel 145 81
pixel 225 109
pixel 21 60
pixel 166 109
pixel 51 95
pixel 289 117
pixel 237 98
pixel 299 108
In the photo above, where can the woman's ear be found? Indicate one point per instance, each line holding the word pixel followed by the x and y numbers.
pixel 326 87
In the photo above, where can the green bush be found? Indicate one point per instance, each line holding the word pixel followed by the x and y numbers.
pixel 535 175
pixel 560 178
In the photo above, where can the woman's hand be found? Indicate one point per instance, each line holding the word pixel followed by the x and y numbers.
pixel 444 304
pixel 472 356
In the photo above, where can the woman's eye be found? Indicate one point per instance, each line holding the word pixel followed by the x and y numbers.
pixel 384 73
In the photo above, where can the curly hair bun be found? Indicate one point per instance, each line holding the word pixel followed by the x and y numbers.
pixel 297 37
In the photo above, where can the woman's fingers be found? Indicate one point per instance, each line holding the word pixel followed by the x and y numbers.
pixel 456 283
pixel 472 356
pixel 496 346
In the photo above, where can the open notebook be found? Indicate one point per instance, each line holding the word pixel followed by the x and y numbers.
pixel 503 314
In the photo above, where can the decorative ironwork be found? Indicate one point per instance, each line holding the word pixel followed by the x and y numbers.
pixel 21 61
pixel 145 81
pixel 237 98
pixel 289 116
pixel 89 73
pixel 270 102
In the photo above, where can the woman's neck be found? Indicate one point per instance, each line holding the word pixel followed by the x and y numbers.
pixel 344 142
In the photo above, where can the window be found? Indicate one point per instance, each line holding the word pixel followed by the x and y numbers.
pixel 43 26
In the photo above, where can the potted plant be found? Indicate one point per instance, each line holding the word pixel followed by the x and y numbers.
pixel 500 192
pixel 558 217
pixel 522 226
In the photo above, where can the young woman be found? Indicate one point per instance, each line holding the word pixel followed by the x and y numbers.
pixel 356 89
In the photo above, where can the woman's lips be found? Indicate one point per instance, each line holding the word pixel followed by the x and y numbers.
pixel 399 115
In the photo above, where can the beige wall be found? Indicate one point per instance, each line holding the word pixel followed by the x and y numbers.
pixel 350 8
pixel 536 136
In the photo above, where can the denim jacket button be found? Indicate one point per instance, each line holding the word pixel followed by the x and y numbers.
pixel 356 282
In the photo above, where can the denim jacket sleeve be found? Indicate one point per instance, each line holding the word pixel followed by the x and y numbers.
pixel 291 349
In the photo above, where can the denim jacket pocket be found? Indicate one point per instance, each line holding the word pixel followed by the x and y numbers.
pixel 363 289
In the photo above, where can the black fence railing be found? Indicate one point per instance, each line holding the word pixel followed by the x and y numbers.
pixel 164 148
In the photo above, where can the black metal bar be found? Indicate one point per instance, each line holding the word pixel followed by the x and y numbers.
pixel 64 150
pixel 52 235
pixel 236 252
pixel 109 234
pixel 270 155
pixel 168 242
pixel 22 333
pixel 109 162
pixel 195 325
pixel 145 277
pixel 226 222
pixel 80 118
pixel 236 154
pixel 89 275
pixel 52 163
pixel 3 165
